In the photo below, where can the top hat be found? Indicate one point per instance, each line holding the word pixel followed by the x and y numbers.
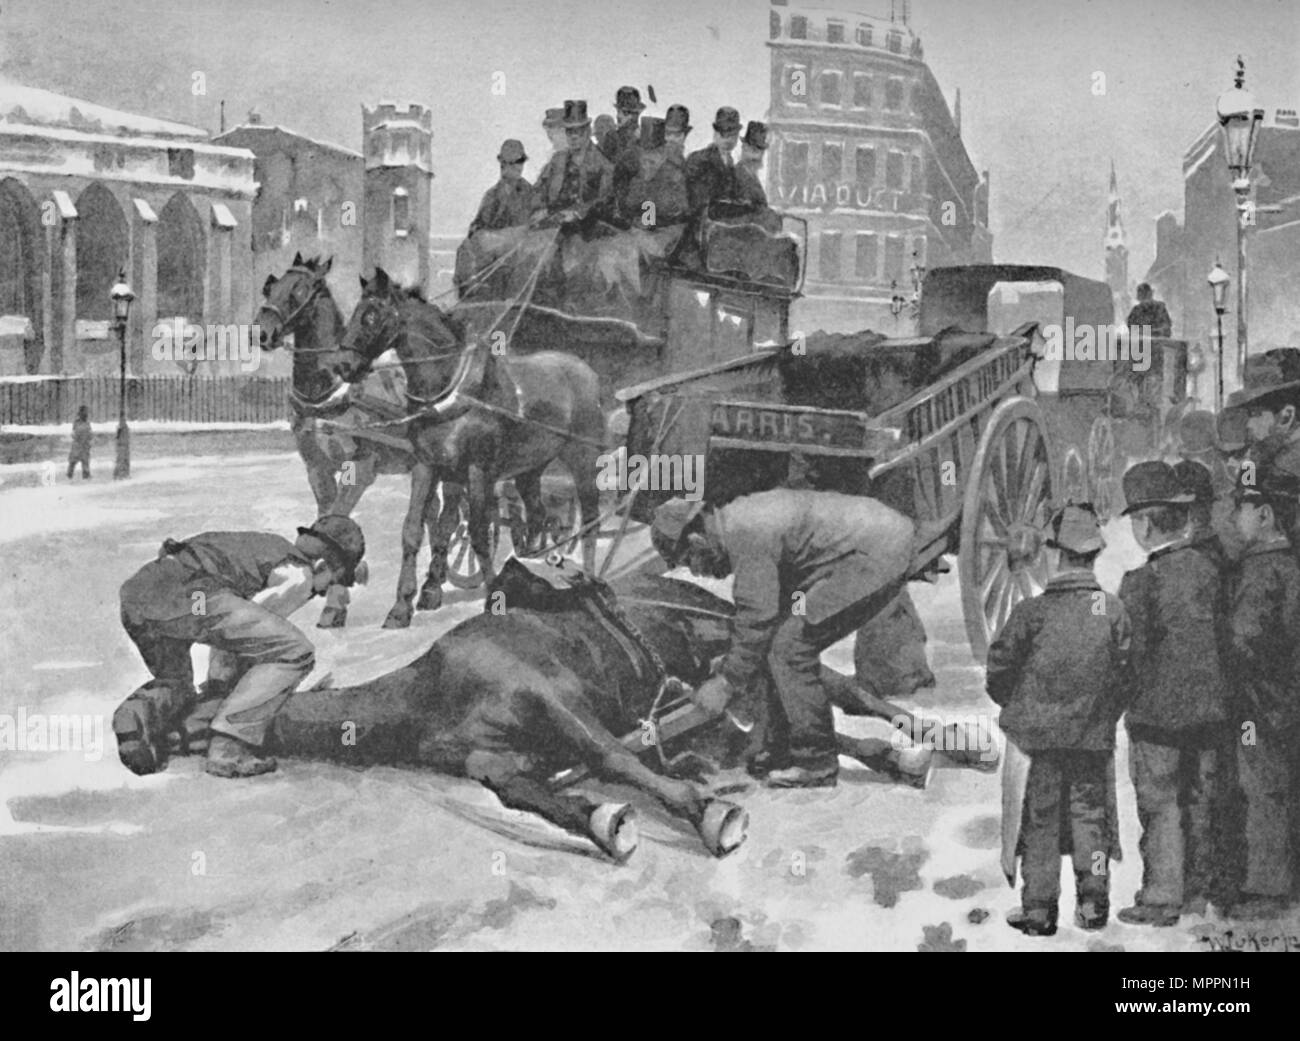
pixel 1075 527
pixel 678 119
pixel 575 115
pixel 343 539
pixel 727 121
pixel 512 151
pixel 1271 373
pixel 1152 484
pixel 756 135
pixel 671 524
pixel 554 118
pixel 628 99
pixel 652 133
pixel 1195 478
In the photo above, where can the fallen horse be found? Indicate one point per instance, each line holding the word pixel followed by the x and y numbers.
pixel 541 689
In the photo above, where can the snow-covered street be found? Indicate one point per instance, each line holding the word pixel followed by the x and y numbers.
pixel 317 856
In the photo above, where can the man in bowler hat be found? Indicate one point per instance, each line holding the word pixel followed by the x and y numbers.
pixel 509 202
pixel 710 171
pixel 627 110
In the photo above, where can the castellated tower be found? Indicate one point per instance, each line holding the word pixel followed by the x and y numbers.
pixel 398 148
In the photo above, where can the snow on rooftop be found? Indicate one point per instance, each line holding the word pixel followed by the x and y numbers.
pixel 31 106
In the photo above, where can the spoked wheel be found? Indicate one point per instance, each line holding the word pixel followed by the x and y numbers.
pixel 1001 559
pixel 1101 466
pixel 463 569
pixel 563 517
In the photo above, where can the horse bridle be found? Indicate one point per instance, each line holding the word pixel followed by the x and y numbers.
pixel 289 320
pixel 388 342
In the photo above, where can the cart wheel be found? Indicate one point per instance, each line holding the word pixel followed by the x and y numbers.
pixel 1000 558
pixel 1101 466
pixel 563 517
pixel 463 569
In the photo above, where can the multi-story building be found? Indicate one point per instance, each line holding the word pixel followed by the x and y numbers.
pixel 1186 252
pixel 867 151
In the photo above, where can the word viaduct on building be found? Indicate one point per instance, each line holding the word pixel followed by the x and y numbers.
pixel 866 150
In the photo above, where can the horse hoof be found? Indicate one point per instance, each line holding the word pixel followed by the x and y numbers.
pixel 398 619
pixel 430 598
pixel 613 829
pixel 723 827
pixel 332 618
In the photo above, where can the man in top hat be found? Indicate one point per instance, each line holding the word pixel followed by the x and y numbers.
pixel 748 188
pixel 231 591
pixel 1177 720
pixel 627 110
pixel 1060 671
pixel 810 567
pixel 1150 313
pixel 509 202
pixel 575 184
pixel 710 171
pixel 1270 401
pixel 650 182
pixel 1265 657
pixel 553 124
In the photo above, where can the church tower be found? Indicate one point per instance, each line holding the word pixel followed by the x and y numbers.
pixel 398 149
pixel 1117 252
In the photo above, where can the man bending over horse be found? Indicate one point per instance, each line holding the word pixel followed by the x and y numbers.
pixel 810 568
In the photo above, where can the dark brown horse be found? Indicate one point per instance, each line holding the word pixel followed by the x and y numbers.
pixel 479 419
pixel 340 466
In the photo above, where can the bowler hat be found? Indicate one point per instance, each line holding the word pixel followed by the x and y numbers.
pixel 1275 372
pixel 1152 484
pixel 678 119
pixel 756 134
pixel 343 538
pixel 727 121
pixel 512 151
pixel 1195 478
pixel 1075 527
pixel 554 118
pixel 671 524
pixel 575 115
pixel 652 133
pixel 628 99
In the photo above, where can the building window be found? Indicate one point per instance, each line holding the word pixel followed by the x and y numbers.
pixel 798 27
pixel 180 163
pixel 830 88
pixel 918 175
pixel 864 35
pixel 894 95
pixel 401 211
pixel 376 144
pixel 796 80
pixel 895 42
pixel 894 170
pixel 794 162
pixel 832 161
pixel 867 262
pixel 830 256
pixel 774 24
pixel 861 91
pixel 834 32
pixel 866 171
pixel 894 259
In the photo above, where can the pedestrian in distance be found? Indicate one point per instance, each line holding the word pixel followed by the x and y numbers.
pixel 81 440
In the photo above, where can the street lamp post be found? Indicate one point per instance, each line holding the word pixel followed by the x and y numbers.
pixel 122 297
pixel 1219 287
pixel 1240 118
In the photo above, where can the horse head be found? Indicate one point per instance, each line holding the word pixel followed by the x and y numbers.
pixel 429 343
pixel 296 301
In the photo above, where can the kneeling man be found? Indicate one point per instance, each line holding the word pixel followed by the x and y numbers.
pixel 231 591
pixel 810 568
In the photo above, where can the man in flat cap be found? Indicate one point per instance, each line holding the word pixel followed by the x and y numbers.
pixel 509 202
pixel 627 110
pixel 1060 671
pixel 810 568
pixel 1178 719
pixel 576 183
pixel 710 172
pixel 1264 622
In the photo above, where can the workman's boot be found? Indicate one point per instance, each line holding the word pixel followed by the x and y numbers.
pixel 230 757
pixel 912 765
pixel 1034 921
pixel 140 731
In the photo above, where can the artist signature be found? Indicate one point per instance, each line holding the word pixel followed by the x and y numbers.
pixel 1230 940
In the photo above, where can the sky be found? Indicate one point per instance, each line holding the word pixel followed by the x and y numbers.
pixel 1026 68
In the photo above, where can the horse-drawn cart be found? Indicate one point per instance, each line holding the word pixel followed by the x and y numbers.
pixel 945 428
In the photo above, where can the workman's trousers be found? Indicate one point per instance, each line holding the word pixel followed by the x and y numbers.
pixel 274 652
pixel 1265 772
pixel 1065 810
pixel 801 726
